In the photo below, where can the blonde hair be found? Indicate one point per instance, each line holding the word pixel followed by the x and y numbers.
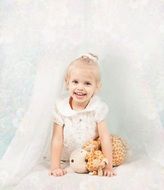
pixel 89 61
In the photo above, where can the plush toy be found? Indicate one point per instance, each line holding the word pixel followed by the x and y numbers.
pixel 96 162
pixel 91 159
pixel 119 148
pixel 93 162
pixel 78 161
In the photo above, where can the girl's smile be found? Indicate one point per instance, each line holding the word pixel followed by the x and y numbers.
pixel 80 95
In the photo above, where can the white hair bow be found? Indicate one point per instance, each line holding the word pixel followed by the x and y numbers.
pixel 91 56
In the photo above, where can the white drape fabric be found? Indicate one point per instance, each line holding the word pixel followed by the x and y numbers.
pixel 32 138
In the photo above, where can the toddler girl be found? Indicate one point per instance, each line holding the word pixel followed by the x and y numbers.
pixel 81 116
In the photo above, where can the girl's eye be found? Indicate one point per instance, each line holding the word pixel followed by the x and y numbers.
pixel 87 83
pixel 75 81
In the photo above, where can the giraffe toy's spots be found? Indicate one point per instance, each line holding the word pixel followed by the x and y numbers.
pixel 95 159
pixel 119 152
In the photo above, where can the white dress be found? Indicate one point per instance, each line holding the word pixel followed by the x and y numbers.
pixel 79 126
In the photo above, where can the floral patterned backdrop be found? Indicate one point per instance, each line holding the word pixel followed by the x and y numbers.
pixel 111 28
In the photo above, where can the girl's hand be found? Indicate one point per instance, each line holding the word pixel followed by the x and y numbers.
pixel 109 172
pixel 57 172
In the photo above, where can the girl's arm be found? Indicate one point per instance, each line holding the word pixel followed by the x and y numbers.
pixel 106 144
pixel 56 146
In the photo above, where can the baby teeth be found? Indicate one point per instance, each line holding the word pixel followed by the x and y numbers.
pixel 80 94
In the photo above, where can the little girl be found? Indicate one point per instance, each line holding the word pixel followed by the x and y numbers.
pixel 81 116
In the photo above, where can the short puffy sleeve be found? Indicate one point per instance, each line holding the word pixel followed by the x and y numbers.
pixel 57 117
pixel 101 112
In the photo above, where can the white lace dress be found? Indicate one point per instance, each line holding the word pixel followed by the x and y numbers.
pixel 79 126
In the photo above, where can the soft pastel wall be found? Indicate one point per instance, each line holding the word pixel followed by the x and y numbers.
pixel 124 34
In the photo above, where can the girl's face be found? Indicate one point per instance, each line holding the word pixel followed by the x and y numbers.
pixel 81 86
